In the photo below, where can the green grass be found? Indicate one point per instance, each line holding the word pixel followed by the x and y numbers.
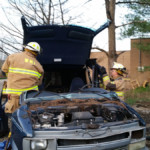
pixel 137 95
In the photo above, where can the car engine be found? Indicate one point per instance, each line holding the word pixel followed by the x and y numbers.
pixel 89 113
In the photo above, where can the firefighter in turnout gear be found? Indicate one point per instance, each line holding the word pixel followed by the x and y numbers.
pixel 120 84
pixel 23 73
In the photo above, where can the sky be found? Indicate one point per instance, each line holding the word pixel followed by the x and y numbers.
pixel 93 16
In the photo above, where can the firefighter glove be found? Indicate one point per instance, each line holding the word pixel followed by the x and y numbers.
pixel 103 70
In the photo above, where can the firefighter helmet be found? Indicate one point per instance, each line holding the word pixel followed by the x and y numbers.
pixel 33 46
pixel 119 68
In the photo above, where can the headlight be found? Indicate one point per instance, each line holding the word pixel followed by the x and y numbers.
pixel 38 144
pixel 138 145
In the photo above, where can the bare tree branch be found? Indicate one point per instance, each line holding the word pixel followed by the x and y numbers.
pixel 3 51
pixel 130 23
pixel 37 12
pixel 43 12
pixel 10 31
pixel 11 22
pixel 24 11
pixel 102 50
pixel 49 12
pixel 8 43
pixel 120 53
pixel 62 13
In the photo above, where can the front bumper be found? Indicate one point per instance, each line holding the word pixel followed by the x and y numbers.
pixel 123 137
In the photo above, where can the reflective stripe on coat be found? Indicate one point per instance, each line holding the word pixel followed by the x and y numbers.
pixel 18 91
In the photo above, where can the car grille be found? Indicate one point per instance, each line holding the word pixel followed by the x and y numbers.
pixel 67 142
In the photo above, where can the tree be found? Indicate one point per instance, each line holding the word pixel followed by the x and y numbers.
pixel 139 22
pixel 36 12
pixel 137 18
pixel 110 12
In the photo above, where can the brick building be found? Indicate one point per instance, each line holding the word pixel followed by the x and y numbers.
pixel 139 61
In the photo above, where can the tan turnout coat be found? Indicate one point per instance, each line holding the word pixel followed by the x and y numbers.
pixel 23 72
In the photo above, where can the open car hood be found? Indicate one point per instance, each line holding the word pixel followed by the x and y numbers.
pixel 63 45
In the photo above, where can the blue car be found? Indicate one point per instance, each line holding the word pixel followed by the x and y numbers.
pixel 86 119
pixel 71 111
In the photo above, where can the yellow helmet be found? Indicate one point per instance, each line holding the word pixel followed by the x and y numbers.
pixel 33 46
pixel 119 68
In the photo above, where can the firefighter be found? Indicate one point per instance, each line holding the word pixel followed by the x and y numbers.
pixel 23 73
pixel 119 84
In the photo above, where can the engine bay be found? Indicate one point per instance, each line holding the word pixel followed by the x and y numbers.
pixel 77 113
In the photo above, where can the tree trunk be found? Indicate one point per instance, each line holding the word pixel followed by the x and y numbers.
pixel 112 45
pixel 110 11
